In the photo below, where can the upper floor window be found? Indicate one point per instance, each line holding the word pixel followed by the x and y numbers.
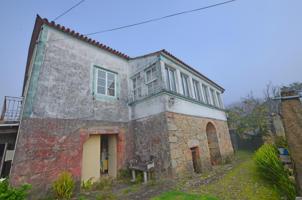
pixel 219 100
pixel 206 93
pixel 105 82
pixel 185 84
pixel 136 86
pixel 197 92
pixel 214 100
pixel 151 79
pixel 171 82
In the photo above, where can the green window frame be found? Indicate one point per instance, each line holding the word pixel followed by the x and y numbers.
pixel 105 82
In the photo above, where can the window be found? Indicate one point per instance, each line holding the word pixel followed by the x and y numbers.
pixel 136 86
pixel 206 93
pixel 105 82
pixel 171 82
pixel 185 84
pixel 214 97
pixel 197 91
pixel 219 100
pixel 151 80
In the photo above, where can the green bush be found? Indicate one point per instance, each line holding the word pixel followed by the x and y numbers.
pixel 63 187
pixel 8 192
pixel 87 185
pixel 270 168
pixel 124 174
pixel 103 183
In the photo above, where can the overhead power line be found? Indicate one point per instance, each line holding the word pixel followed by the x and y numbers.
pixel 68 10
pixel 160 18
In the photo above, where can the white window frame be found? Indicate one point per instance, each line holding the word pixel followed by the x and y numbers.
pixel 205 89
pixel 197 90
pixel 169 80
pixel 219 99
pixel 135 91
pixel 214 99
pixel 153 79
pixel 185 77
pixel 106 82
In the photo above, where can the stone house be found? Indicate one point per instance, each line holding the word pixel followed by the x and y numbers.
pixel 89 109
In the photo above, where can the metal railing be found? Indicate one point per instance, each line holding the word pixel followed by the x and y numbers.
pixel 11 110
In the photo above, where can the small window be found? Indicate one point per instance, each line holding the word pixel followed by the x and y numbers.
pixel 105 82
pixel 170 81
pixel 151 74
pixel 185 85
pixel 206 93
pixel 219 100
pixel 197 92
pixel 214 99
pixel 151 80
pixel 136 86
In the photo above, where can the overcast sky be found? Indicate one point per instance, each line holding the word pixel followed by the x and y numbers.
pixel 242 45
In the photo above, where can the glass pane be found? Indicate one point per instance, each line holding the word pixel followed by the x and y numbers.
pixel 101 74
pixel 110 84
pixel 219 100
pixel 101 82
pixel 205 91
pixel 167 78
pixel 148 75
pixel 100 90
pixel 110 92
pixel 173 82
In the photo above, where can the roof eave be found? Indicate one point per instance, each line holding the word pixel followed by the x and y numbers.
pixel 166 53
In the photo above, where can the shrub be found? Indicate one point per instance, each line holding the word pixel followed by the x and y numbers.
pixel 270 168
pixel 8 192
pixel 124 174
pixel 87 185
pixel 103 183
pixel 63 187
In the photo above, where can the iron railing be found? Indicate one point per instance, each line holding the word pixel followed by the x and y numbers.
pixel 11 110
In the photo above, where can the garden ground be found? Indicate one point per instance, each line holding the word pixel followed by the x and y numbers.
pixel 235 181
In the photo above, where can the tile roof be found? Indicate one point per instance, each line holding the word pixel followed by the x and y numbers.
pixel 82 37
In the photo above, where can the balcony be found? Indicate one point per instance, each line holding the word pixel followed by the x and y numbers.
pixel 11 110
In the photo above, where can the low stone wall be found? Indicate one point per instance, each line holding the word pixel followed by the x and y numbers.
pixel 186 132
pixel 46 147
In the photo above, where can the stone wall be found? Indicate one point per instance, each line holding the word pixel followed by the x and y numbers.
pixel 151 139
pixel 186 132
pixel 46 147
pixel 291 109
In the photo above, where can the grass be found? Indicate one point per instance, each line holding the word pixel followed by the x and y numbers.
pixel 242 182
pixel 177 195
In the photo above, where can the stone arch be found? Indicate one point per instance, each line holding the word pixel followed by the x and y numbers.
pixel 213 144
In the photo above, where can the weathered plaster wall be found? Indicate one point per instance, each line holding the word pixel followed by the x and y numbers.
pixel 47 147
pixel 151 139
pixel 173 103
pixel 64 83
pixel 148 107
pixel 186 132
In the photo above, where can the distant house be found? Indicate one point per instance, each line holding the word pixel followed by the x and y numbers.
pixel 90 109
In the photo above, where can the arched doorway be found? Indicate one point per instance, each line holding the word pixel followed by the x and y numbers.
pixel 213 144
